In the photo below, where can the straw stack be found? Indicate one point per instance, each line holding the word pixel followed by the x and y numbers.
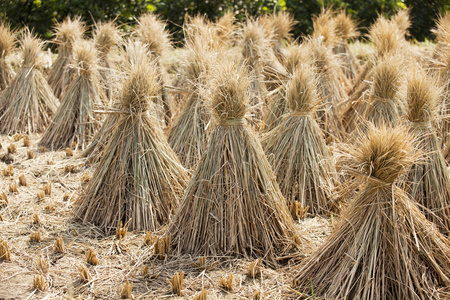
pixel 28 103
pixel 428 180
pixel 297 151
pixel 75 121
pixel 188 136
pixel 134 54
pixel 278 106
pixel 325 28
pixel 385 104
pixel 345 30
pixel 138 179
pixel 330 87
pixel 280 24
pixel 233 205
pixel 152 32
pixel 66 34
pixel 383 247
pixel 388 42
pixel 255 48
pixel 7 44
pixel 106 37
pixel 403 22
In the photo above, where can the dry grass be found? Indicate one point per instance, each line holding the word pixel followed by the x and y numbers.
pixel 35 236
pixel 91 257
pixel 254 268
pixel 41 265
pixel 297 151
pixel 13 188
pixel 59 245
pixel 7 44
pixel 382 247
pixel 28 103
pixel 427 182
pixel 232 186
pixel 125 290
pixel 66 33
pixel 188 135
pixel 75 121
pixel 227 283
pixel 12 148
pixel 23 180
pixel 148 170
pixel 325 27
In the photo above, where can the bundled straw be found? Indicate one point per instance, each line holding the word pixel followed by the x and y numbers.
pixel 280 24
pixel 28 103
pixel 135 53
pixel 385 105
pixel 330 88
pixel 428 180
pixel 106 37
pixel 442 33
pixel 233 205
pixel 402 20
pixel 7 44
pixel 345 30
pixel 325 27
pixel 66 34
pixel 224 29
pixel 388 43
pixel 74 121
pixel 139 179
pixel 278 106
pixel 255 49
pixel 382 247
pixel 152 32
pixel 187 136
pixel 297 150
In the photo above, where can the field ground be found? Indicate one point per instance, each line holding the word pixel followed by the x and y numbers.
pixel 118 261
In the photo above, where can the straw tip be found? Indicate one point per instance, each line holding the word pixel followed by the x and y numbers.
pixel 421 97
pixel 384 153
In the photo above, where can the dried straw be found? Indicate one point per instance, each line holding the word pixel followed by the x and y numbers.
pixel 106 37
pixel 330 88
pixel 7 44
pixel 345 30
pixel 188 135
pixel 74 121
pixel 255 49
pixel 324 27
pixel 134 54
pixel 233 205
pixel 402 20
pixel 427 182
pixel 138 179
pixel 280 24
pixel 28 103
pixel 297 150
pixel 152 32
pixel 382 247
pixel 66 34
pixel 385 105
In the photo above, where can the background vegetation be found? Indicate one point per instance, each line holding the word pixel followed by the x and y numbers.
pixel 42 14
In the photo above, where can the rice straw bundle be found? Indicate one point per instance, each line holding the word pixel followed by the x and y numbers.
pixel 139 179
pixel 428 180
pixel 75 121
pixel 278 106
pixel 106 37
pixel 385 105
pixel 280 24
pixel 330 88
pixel 388 43
pixel 442 72
pixel 402 20
pixel 188 136
pixel 382 247
pixel 66 34
pixel 442 33
pixel 28 103
pixel 134 54
pixel 152 32
pixel 255 48
pixel 224 29
pixel 325 27
pixel 7 44
pixel 345 30
pixel 297 150
pixel 233 205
